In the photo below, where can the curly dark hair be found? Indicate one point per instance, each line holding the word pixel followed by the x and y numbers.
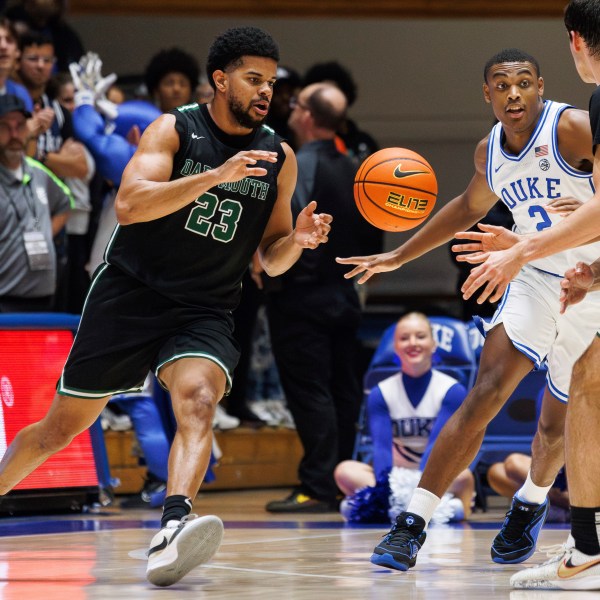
pixel 173 60
pixel 229 47
pixel 332 71
pixel 510 55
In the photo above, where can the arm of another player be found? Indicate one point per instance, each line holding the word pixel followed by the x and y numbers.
pixel 146 193
pixel 282 245
pixel 460 213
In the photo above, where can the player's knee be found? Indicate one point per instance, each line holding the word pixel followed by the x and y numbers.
pixel 480 406
pixel 54 438
pixel 195 402
pixel 342 470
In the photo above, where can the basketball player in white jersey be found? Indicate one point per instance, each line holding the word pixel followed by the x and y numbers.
pixel 539 152
pixel 406 412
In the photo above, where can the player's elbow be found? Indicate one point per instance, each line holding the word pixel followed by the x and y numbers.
pixel 124 210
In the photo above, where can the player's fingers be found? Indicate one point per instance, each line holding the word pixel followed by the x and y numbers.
pixel 489 228
pixel 354 272
pixel 469 235
pixel 499 292
pixel 475 246
pixel 473 259
pixel 365 277
pixel 474 281
pixel 257 171
pixel 352 260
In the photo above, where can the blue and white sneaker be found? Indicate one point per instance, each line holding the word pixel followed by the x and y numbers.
pixel 522 525
pixel 181 546
pixel 399 548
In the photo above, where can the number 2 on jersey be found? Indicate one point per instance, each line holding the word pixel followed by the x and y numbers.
pixel 200 217
pixel 546 222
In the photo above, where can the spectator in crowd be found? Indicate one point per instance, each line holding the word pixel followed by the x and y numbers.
pixel 9 53
pixel 46 17
pixel 357 143
pixel 56 147
pixel 286 88
pixel 314 312
pixel 172 77
pixel 406 412
pixel 35 206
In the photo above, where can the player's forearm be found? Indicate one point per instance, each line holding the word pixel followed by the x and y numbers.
pixel 440 229
pixel 579 228
pixel 141 200
pixel 280 255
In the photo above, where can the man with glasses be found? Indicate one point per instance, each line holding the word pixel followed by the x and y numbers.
pixel 55 144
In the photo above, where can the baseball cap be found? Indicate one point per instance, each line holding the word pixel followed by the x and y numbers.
pixel 10 103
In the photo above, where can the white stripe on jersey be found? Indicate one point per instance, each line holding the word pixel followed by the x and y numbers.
pixel 539 174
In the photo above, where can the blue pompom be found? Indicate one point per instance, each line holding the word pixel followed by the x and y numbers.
pixel 369 505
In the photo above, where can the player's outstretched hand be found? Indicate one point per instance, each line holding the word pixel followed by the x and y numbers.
pixel 490 238
pixel 575 285
pixel 243 165
pixel 563 206
pixel 367 266
pixel 493 275
pixel 312 229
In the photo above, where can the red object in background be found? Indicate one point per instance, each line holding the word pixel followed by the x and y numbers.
pixel 31 362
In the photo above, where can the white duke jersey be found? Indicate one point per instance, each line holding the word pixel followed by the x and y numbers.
pixel 412 425
pixel 539 174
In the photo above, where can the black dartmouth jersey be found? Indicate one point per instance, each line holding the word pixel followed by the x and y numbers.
pixel 595 116
pixel 198 255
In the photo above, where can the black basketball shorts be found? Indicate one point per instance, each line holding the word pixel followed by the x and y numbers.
pixel 127 329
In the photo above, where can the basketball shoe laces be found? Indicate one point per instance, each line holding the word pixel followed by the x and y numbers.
pixel 400 535
pixel 517 523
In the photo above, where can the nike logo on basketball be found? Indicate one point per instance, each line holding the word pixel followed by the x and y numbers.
pixel 567 569
pixel 197 137
pixel 498 168
pixel 399 173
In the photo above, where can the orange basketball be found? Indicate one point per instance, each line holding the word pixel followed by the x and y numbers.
pixel 395 189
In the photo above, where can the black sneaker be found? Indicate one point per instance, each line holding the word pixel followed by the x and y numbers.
pixel 398 549
pixel 299 502
pixel 518 536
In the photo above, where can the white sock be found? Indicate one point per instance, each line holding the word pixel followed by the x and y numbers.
pixel 423 503
pixel 531 493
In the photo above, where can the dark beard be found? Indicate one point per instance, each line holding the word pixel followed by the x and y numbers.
pixel 242 117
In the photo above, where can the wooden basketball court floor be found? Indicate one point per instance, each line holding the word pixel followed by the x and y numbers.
pixel 297 557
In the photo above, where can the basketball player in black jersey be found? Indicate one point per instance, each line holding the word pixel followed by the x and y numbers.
pixel 207 186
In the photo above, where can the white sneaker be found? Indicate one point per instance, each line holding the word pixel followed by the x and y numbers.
pixel 181 546
pixel 224 421
pixel 568 569
pixel 114 421
pixel 262 409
